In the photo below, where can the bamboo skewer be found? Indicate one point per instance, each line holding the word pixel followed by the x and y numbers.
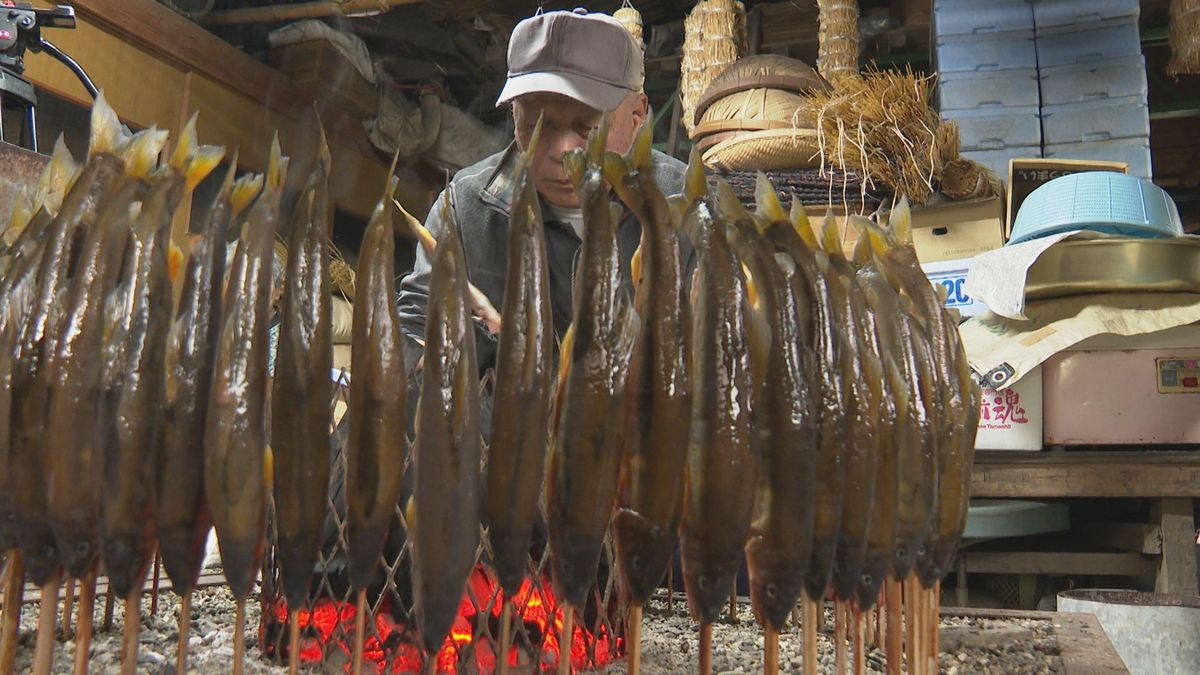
pixel 733 604
pixel 43 656
pixel 83 633
pixel 68 607
pixel 839 637
pixel 239 638
pixel 294 640
pixel 360 630
pixel 635 639
pixel 869 632
pixel 109 600
pixel 706 649
pixel 910 623
pixel 506 636
pixel 894 625
pixel 185 623
pixel 133 626
pixel 14 592
pixel 770 651
pixel 810 634
pixel 154 584
pixel 565 640
pixel 671 589
pixel 937 622
pixel 860 641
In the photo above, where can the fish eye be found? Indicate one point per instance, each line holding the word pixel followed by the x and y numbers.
pixel 772 590
pixel 837 566
pixel 636 562
pixel 921 550
pixel 82 547
pixel 901 552
pixel 866 580
pixel 702 582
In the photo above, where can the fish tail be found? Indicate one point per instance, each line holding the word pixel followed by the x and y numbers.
pixel 22 213
pixel 801 224
pixel 230 176
pixel 643 143
pixel 616 170
pixel 245 189
pixel 194 161
pixel 175 260
pixel 862 247
pixel 55 178
pixel 324 156
pixel 597 142
pixel 277 166
pixel 728 204
pixel 105 134
pixel 635 263
pixel 527 158
pixel 695 184
pixel 141 153
pixel 766 200
pixel 900 221
pixel 573 162
pixel 830 241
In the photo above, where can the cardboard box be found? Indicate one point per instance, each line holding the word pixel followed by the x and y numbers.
pixel 1026 175
pixel 952 275
pixel 1012 419
pixel 958 230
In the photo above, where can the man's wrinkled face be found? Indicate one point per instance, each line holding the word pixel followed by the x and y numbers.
pixel 566 124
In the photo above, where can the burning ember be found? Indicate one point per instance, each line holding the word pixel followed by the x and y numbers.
pixel 392 647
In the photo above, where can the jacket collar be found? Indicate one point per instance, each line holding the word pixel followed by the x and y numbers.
pixel 498 190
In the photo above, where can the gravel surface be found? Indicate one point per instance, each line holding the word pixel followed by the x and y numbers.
pixel 670 642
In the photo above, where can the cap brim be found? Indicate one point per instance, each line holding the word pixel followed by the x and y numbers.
pixel 598 95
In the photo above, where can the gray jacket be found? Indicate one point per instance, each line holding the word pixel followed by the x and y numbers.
pixel 481 196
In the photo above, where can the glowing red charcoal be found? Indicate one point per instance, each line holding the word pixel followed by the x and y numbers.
pixel 329 627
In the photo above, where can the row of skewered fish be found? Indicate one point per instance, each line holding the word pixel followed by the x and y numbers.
pixel 836 389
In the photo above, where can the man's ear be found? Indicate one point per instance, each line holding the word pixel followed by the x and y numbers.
pixel 640 110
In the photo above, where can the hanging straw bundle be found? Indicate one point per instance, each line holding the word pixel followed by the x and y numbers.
pixel 837 52
pixel 964 178
pixel 1184 38
pixel 714 37
pixel 882 126
pixel 631 19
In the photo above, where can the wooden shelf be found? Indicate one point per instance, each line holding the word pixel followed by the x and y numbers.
pixel 1118 473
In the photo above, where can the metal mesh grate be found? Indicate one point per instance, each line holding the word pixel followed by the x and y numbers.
pixel 327 621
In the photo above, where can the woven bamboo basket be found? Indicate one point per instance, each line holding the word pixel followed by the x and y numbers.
pixel 769 150
pixel 714 37
pixel 754 110
pixel 837 53
pixel 1184 38
pixel 764 71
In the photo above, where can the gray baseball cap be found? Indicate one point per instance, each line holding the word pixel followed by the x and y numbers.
pixel 589 57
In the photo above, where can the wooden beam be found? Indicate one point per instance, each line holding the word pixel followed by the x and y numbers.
pixel 1086 474
pixel 303 10
pixel 1039 562
pixel 1133 537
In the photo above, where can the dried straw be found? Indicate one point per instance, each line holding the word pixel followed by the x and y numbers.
pixel 837 52
pixel 1184 38
pixel 714 37
pixel 881 125
pixel 631 19
pixel 964 178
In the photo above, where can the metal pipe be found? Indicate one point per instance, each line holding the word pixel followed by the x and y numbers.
pixel 306 10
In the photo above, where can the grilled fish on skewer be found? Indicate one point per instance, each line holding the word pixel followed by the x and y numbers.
pixel 300 414
pixel 236 471
pixel 182 520
pixel 582 470
pixel 517 453
pixel 446 495
pixel 376 447
pixel 659 389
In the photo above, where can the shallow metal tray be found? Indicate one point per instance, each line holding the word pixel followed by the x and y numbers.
pixel 1116 265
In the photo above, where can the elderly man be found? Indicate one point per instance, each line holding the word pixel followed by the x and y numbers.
pixel 571 68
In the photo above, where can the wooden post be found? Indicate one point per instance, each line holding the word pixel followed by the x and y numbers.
pixel 1177 567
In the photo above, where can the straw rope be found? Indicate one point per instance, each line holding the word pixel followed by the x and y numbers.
pixel 714 37
pixel 631 19
pixel 837 52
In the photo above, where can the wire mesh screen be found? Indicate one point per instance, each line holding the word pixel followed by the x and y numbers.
pixel 327 621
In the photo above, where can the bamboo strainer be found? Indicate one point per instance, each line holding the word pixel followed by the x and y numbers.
pixel 770 150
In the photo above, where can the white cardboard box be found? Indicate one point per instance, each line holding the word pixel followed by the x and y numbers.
pixel 1012 419
pixel 952 275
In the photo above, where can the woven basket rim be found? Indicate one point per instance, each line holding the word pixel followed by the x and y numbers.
pixel 766 150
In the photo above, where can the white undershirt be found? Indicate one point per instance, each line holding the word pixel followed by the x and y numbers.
pixel 569 216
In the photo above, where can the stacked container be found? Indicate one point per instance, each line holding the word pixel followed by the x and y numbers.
pixel 986 58
pixel 1093 82
pixel 1052 78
